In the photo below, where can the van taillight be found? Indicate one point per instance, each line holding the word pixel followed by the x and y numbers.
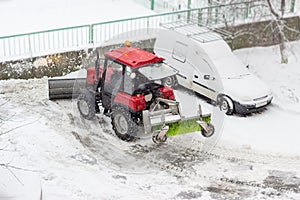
pixel 167 92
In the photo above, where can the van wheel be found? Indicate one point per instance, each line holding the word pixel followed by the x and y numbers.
pixel 170 81
pixel 226 105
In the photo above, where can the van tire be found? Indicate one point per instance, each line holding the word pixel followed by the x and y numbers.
pixel 170 81
pixel 226 105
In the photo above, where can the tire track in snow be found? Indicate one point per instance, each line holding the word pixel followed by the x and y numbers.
pixel 172 158
pixel 181 162
pixel 190 157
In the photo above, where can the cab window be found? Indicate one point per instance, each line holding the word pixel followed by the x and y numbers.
pixel 113 78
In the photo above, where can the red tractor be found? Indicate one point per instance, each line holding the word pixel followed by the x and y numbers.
pixel 130 86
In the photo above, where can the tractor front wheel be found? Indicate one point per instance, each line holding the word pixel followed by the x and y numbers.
pixel 123 124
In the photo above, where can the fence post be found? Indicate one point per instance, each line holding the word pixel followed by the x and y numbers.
pixel 292 9
pixel 246 14
pixel 148 24
pixel 91 34
pixel 4 48
pixel 152 5
pixel 200 16
pixel 30 47
pixel 209 15
pixel 217 12
pixel 189 11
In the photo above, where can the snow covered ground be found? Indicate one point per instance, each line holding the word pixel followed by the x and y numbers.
pixel 278 125
pixel 33 15
pixel 256 157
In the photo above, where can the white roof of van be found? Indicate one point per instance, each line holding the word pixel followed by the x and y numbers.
pixel 213 45
pixel 200 33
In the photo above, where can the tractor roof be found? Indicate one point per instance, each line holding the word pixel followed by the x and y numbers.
pixel 133 57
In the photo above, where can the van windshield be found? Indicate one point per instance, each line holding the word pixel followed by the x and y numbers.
pixel 230 67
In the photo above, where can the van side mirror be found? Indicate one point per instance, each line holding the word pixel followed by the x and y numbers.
pixel 209 77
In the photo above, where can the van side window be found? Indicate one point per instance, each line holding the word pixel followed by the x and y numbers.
pixel 180 51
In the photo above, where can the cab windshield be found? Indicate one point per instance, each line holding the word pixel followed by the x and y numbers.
pixel 148 75
pixel 157 71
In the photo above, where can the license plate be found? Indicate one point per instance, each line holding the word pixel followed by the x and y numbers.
pixel 260 104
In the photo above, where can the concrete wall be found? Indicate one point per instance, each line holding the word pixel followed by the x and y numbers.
pixel 60 64
pixel 262 33
pixel 52 65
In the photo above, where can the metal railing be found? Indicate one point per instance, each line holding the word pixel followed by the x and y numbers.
pixel 80 37
pixel 88 36
pixel 37 43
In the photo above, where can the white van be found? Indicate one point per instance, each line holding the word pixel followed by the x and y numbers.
pixel 207 65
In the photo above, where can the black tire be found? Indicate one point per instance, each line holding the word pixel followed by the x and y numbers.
pixel 123 124
pixel 156 141
pixel 170 81
pixel 210 132
pixel 86 104
pixel 226 105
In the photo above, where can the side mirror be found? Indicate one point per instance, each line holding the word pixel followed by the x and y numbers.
pixel 208 77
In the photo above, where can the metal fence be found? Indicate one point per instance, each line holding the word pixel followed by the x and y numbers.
pixel 80 37
pixel 43 42
pixel 241 11
pixel 87 36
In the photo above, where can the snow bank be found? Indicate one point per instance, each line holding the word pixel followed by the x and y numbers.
pixel 275 129
pixel 284 80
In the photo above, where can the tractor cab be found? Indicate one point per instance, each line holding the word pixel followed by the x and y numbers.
pixel 133 78
pixel 144 83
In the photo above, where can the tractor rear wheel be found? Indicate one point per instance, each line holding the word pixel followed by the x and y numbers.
pixel 86 104
pixel 123 124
